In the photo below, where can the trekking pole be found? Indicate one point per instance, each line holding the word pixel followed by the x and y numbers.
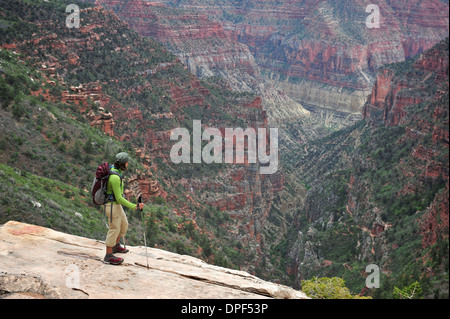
pixel 145 240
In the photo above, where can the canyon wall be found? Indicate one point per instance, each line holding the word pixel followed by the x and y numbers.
pixel 390 104
pixel 377 193
pixel 324 47
pixel 207 50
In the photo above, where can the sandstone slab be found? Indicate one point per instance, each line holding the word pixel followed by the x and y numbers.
pixel 37 262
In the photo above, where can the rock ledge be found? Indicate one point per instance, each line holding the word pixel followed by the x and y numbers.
pixel 37 262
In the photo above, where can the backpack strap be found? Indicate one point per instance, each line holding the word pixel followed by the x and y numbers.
pixel 111 198
pixel 112 203
pixel 116 173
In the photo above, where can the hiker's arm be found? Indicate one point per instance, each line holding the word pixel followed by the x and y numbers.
pixel 115 183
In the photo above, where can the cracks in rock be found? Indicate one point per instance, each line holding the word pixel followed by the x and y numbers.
pixel 257 291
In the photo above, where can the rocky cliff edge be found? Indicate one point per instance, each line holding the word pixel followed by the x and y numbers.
pixel 37 262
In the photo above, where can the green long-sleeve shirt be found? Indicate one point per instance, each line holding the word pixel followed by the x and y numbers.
pixel 115 188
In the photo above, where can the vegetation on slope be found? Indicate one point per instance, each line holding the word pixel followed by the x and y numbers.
pixel 52 142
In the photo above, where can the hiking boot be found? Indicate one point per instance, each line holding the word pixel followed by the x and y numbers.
pixel 112 260
pixel 119 249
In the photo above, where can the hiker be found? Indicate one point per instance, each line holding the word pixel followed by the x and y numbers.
pixel 118 223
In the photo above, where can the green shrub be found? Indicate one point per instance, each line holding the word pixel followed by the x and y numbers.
pixel 328 288
pixel 413 291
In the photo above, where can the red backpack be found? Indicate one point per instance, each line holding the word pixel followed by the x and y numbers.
pixel 98 188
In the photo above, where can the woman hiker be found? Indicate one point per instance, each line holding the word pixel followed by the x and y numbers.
pixel 118 224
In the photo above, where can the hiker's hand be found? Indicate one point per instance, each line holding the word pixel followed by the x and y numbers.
pixel 140 206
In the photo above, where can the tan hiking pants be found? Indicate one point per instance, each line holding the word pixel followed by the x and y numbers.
pixel 118 225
